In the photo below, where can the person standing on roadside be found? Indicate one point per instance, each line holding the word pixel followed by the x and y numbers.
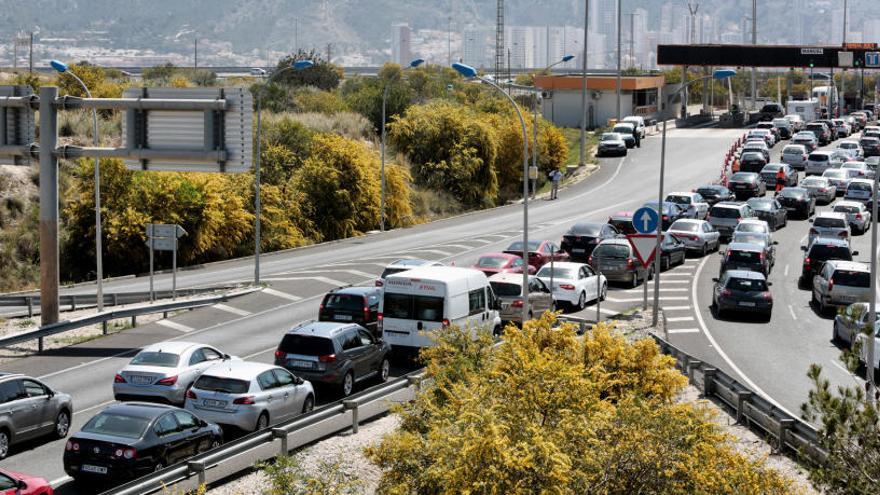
pixel 638 137
pixel 555 177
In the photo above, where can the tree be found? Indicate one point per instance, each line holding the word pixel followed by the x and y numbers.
pixel 364 95
pixel 323 75
pixel 548 412
pixel 94 77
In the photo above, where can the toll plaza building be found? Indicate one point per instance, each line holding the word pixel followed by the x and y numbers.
pixel 561 103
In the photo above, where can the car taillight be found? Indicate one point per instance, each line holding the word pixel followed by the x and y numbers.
pixel 380 282
pixel 171 380
pixel 279 354
pixel 830 283
pixel 191 395
pixel 566 286
pixel 814 232
pixel 118 378
pixel 822 189
pixel 590 259
pixel 665 218
pixel 127 453
pixel 245 401
pixel 72 445
pixel 858 216
pixel 630 264
pixel 766 295
pixel 445 322
pixel 725 292
pixel 327 358
pixel 806 262
pixel 366 313
pixel 517 304
pixel 693 238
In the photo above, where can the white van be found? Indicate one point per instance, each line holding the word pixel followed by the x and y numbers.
pixel 432 298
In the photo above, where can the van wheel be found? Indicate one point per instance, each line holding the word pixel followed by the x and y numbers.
pixel 347 384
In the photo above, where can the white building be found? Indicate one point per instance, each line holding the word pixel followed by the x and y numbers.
pixel 401 43
pixel 475 47
pixel 520 49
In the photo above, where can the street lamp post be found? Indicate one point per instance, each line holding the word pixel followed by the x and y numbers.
pixel 415 63
pixel 470 72
pixel 63 68
pixel 564 59
pixel 719 74
pixel 298 65
pixel 583 136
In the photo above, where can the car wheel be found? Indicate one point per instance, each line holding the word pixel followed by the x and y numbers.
pixel 384 370
pixel 604 293
pixel 582 301
pixel 704 250
pixel 308 405
pixel 62 424
pixel 262 421
pixel 158 467
pixel 835 335
pixel 635 279
pixel 4 444
pixel 665 264
pixel 347 384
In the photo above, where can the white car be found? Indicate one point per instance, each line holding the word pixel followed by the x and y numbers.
pixel 697 235
pixel 806 138
pixel 697 207
pixel 861 167
pixel 256 71
pixel 820 187
pixel 637 121
pixel 858 216
pixel 843 129
pixel 852 147
pixel 796 121
pixel 165 371
pixel 573 283
pixel 840 178
pixel 859 190
pixel 795 155
pixel 818 162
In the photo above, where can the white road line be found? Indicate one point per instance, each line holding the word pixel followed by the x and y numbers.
pixel 785 273
pixel 175 326
pixel 459 246
pixel 319 279
pixel 355 263
pixel 683 330
pixel 676 308
pixel 672 274
pixel 332 270
pixel 791 311
pixel 723 354
pixel 60 481
pixel 481 242
pixel 637 299
pixel 680 318
pixel 230 309
pixel 97 406
pixel 282 295
pixel 605 311
pixel 435 251
pixel 843 368
pixel 501 236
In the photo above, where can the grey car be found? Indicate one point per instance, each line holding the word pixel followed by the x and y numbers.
pixel 697 235
pixel 841 283
pixel 164 371
pixel 334 354
pixel 858 216
pixel 820 187
pixel 829 224
pixel 508 288
pixel 840 179
pixel 851 322
pixel 30 409
pixel 725 216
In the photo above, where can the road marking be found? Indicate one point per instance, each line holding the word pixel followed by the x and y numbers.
pixel 662 289
pixel 676 308
pixel 342 270
pixel 723 354
pixel 680 318
pixel 637 299
pixel 175 326
pixel 684 330
pixel 670 281
pixel 843 368
pixel 282 295
pixel 230 309
pixel 673 274
pixel 482 242
pixel 785 273
pixel 500 236
pixel 97 406
pixel 605 311
pixel 435 251
pixel 355 263
pixel 791 310
pixel 459 246
pixel 326 280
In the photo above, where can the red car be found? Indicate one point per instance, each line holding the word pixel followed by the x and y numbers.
pixel 492 263
pixel 540 252
pixel 12 483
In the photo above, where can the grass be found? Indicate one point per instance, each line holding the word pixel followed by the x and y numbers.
pixel 573 136
pixel 112 327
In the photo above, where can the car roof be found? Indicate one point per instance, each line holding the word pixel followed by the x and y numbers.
pixel 831 214
pixel 619 242
pixel 822 152
pixel 680 193
pixel 753 220
pixel 747 274
pixel 849 265
pixel 744 246
pixel 5 375
pixel 627 124
pixel 584 224
pixel 320 328
pixel 861 181
pixel 795 145
pixel 240 370
pixel 613 134
pixel 622 214
pixel 355 290
pixel 689 220
pixel 799 190
pixel 717 187
pixel 510 278
pixel 411 262
pixel 728 204
pixel 170 347
pixel 149 410
pixel 773 166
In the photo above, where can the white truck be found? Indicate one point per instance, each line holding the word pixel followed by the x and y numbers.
pixel 808 110
pixel 424 300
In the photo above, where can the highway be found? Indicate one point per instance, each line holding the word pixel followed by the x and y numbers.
pixel 773 358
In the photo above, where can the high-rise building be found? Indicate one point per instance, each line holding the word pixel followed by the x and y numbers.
pixel 475 47
pixel 520 47
pixel 401 38
pixel 603 18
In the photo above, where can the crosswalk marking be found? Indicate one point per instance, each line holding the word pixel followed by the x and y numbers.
pixel 662 289
pixel 676 308
pixel 230 309
pixel 175 326
pixel 637 299
pixel 684 330
pixel 282 295
pixel 671 282
pixel 680 318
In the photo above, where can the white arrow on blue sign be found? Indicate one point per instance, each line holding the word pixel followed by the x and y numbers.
pixel 645 220
pixel 872 59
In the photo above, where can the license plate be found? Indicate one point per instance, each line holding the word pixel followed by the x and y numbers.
pixel 847 298
pixel 296 363
pixel 504 306
pixel 578 250
pixel 747 304
pixel 214 403
pixel 141 380
pixel 88 468
pixel 343 317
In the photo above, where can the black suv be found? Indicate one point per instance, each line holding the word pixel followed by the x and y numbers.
pixel 336 354
pixel 770 111
pixel 818 252
pixel 352 305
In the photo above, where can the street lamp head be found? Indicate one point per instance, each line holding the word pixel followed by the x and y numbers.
pixel 302 64
pixel 567 58
pixel 723 73
pixel 417 62
pixel 59 66
pixel 464 70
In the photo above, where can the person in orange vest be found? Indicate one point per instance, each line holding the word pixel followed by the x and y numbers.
pixel 780 179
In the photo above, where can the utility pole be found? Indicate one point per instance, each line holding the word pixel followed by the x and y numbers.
pixel 499 40
pixel 196 53
pixel 754 42
pixel 618 60
pixel 31 54
pixel 582 155
pixel 449 43
pixel 842 104
pixel 632 38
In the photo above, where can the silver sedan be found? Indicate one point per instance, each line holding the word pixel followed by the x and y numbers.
pixel 820 187
pixel 697 235
pixel 165 371
pixel 858 216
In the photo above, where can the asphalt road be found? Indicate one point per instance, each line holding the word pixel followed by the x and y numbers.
pixel 251 326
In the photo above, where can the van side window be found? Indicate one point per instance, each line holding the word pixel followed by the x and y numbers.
pixel 477 301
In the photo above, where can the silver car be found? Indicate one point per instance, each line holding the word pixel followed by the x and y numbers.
pixel 840 283
pixel 696 206
pixel 850 322
pixel 30 409
pixel 829 224
pixel 807 139
pixel 858 216
pixel 725 216
pixel 697 235
pixel 248 395
pixel 818 162
pixel 164 371
pixel 820 187
pixel 508 288
pixel 859 190
pixel 795 155
pixel 840 179
pixel 852 147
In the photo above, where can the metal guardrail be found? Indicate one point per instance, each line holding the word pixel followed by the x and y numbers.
pixel 104 317
pixel 239 455
pixel 110 299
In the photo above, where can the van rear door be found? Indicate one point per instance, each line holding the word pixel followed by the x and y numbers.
pixel 410 308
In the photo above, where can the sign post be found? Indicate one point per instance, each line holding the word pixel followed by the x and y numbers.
pixel 163 237
pixel 645 221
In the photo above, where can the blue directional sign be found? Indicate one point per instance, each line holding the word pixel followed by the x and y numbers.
pixel 872 59
pixel 645 220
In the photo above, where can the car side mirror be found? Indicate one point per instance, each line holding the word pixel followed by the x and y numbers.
pixel 775 243
pixel 855 253
pixel 810 220
pixel 715 280
pixel 227 356
pixel 203 423
pixel 297 380
pixel 803 248
pixel 21 485
pixel 50 393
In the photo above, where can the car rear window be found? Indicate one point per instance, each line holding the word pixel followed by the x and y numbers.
pixel 851 278
pixel 750 227
pixel 222 384
pixel 589 229
pixel 118 425
pixel 743 256
pixel 685 227
pixel 682 200
pixel 859 186
pixel 846 209
pixel 708 191
pixel 492 262
pixel 349 302
pixel 558 272
pixel 747 284
pixel 623 225
pixel 161 359
pixel 611 251
pixel 724 212
pixel 306 345
pixel 829 222
pixel 749 238
pixel 792 150
pixel 410 307
pixel 502 289
pixel 518 246
pixel 813 183
pixel 824 252
pixel 834 174
pixel 817 157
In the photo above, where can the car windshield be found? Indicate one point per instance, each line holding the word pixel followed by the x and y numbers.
pixel 859 186
pixel 792 193
pixel 503 289
pixel 824 252
pixel 749 237
pixel 743 256
pixel 492 262
pixel 793 150
pixel 718 212
pixel 117 425
pixel 622 129
pixel 557 272
pixel 752 156
pixel 747 284
pixel 410 307
pixel 307 345
pixel 708 191
pixel 837 223
pixel 751 227
pixel 160 359
pixel 611 251
pixel 518 246
pixel 849 146
pixel 743 177
pixel 813 183
pixel 685 226
pixel 222 384
pixel 610 137
pixel 851 278
pixel 350 302
pixel 760 203
pixel 682 200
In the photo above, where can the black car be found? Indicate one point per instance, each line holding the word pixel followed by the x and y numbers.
pixel 831 127
pixel 623 222
pixel 335 354
pixel 797 200
pixel 670 213
pixel 770 111
pixel 128 440
pixel 768 174
pixel 747 185
pixel 714 193
pixel 821 131
pixel 352 305
pixel 742 291
pixel 583 237
pixel 672 252
pixel 818 252
pixel 745 256
pixel 870 145
pixel 752 161
pixel 770 211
